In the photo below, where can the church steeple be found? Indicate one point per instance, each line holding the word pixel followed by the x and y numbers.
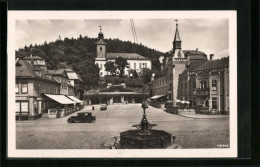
pixel 101 45
pixel 177 38
pixel 100 34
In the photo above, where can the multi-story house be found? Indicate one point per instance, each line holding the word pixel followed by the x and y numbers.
pixel 61 77
pixel 32 82
pixel 76 81
pixel 206 84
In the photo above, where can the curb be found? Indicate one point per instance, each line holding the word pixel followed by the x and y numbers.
pixel 201 118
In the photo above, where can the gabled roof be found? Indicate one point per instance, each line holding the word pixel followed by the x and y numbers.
pixel 213 64
pixel 72 75
pixel 33 57
pixel 128 56
pixel 26 70
pixel 60 72
pixel 193 52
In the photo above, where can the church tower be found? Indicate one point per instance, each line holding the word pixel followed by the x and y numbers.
pixel 101 46
pixel 175 67
pixel 177 50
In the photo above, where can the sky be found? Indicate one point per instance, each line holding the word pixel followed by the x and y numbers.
pixel 208 35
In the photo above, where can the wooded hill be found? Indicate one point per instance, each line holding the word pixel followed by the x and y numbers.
pixel 80 54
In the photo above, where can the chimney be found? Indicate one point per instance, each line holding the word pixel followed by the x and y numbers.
pixel 211 56
pixel 196 49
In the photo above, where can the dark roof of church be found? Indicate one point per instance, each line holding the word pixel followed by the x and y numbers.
pixel 129 56
pixel 177 35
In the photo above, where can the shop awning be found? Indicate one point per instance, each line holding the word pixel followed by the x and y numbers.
pixel 75 99
pixel 157 96
pixel 60 99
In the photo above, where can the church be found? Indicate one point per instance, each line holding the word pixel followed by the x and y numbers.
pixel 136 62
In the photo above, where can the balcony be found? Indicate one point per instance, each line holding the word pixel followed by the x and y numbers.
pixel 201 92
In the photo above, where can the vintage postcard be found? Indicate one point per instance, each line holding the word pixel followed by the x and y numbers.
pixel 122 84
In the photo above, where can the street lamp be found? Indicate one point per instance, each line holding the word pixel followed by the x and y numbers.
pixel 131 75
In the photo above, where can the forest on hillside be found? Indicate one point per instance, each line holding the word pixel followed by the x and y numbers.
pixel 79 53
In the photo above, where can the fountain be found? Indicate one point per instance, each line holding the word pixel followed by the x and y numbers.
pixel 144 137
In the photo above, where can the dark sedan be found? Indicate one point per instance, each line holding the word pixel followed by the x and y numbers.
pixel 82 117
pixel 103 107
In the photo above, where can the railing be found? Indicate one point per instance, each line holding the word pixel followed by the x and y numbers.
pixel 201 91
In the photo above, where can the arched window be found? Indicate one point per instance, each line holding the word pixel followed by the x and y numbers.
pixel 203 84
pixel 214 85
pixel 100 48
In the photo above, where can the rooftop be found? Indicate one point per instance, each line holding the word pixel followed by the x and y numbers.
pixel 129 56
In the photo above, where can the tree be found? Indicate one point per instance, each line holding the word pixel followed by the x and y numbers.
pixel 110 67
pixel 121 64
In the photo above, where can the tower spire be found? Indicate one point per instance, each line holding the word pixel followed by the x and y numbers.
pixel 177 35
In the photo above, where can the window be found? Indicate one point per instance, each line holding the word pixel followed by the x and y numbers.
pixel 101 73
pixel 39 88
pixel 101 66
pixel 24 88
pixel 214 103
pixel 16 88
pixel 140 65
pixel 21 106
pixel 203 84
pixel 135 66
pixel 24 106
pixel 145 65
pixel 214 85
pixel 100 48
pixel 17 107
pixel 194 85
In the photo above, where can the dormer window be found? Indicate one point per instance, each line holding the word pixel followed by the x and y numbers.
pixel 39 62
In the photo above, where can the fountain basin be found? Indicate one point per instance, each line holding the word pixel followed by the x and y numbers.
pixel 137 139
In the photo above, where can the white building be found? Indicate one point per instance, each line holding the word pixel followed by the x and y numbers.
pixel 135 61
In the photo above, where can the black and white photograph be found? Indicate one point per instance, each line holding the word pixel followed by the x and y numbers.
pixel 122 84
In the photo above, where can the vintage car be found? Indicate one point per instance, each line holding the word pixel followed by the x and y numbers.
pixel 103 107
pixel 82 117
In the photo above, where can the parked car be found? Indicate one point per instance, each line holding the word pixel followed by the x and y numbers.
pixel 82 117
pixel 103 107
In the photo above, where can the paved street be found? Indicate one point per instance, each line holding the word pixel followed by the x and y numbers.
pixel 46 133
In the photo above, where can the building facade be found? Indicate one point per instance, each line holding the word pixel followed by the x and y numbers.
pixel 35 83
pixel 136 62
pixel 207 84
pixel 31 85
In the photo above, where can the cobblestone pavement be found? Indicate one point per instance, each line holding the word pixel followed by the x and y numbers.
pixel 46 133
